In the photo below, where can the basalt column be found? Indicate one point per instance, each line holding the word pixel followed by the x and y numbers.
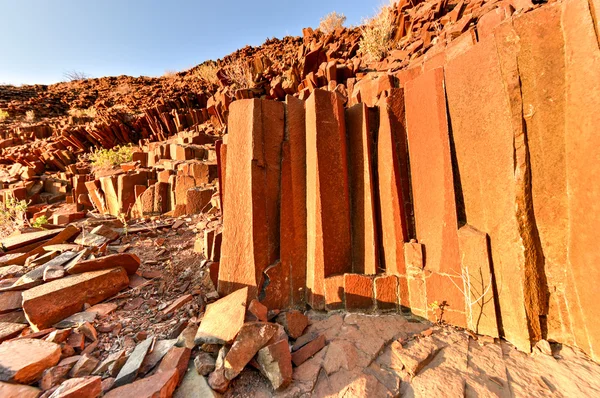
pixel 433 194
pixel 251 221
pixel 327 198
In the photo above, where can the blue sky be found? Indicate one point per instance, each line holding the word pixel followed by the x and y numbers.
pixel 42 39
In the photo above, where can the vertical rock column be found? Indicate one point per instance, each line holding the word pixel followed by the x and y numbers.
pixel 582 78
pixel 541 61
pixel 395 205
pixel 365 247
pixel 251 221
pixel 287 278
pixel 327 197
pixel 433 193
pixel 485 109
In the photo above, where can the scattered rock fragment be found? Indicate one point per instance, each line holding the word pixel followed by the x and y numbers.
pixel 223 319
pixel 131 368
pixel 161 384
pixel 24 361
pixel 294 323
pixel 308 350
pixel 10 390
pixel 251 338
pixel 204 363
pixel 51 302
pixel 79 387
pixel 275 363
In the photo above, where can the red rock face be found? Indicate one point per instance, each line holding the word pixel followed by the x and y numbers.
pixel 581 125
pixel 328 202
pixel 251 233
pixel 431 171
pixel 365 244
pixel 493 169
pixel 393 182
pixel 293 199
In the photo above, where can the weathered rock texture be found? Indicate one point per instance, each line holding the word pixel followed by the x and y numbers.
pixel 463 188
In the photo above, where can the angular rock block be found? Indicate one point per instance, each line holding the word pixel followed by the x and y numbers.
pixel 251 223
pixel 582 77
pixel 293 201
pixel 23 361
pixel 393 182
pixel 358 292
pixel 386 292
pixel 360 125
pixel 334 292
pixel 431 171
pixel 52 302
pixel 478 280
pixel 223 319
pixel 329 249
pixel 129 261
pixel 485 107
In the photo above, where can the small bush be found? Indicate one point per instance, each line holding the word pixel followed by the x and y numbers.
pixel 74 75
pixel 81 113
pixel 239 74
pixel 377 34
pixel 40 222
pixel 30 116
pixel 12 212
pixel 3 115
pixel 208 72
pixel 330 22
pixel 112 157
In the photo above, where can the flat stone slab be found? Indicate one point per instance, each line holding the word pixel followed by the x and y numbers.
pixel 161 384
pixel 129 261
pixel 52 302
pixel 8 330
pixel 223 319
pixel 130 370
pixel 23 361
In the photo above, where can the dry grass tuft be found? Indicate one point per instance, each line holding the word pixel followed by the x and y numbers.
pixel 377 34
pixel 332 21
pixel 30 116
pixel 239 74
pixel 207 72
pixel 81 113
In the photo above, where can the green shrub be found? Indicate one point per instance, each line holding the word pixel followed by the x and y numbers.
pixel 112 157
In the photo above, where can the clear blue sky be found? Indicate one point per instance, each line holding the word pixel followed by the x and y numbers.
pixel 42 39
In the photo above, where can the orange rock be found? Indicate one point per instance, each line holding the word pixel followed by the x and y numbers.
pixel 10 390
pixel 49 303
pixel 129 261
pixel 294 322
pixel 360 122
pixel 177 358
pixel 308 350
pixel 358 292
pixel 161 384
pixel 394 190
pixel 251 226
pixel 328 202
pixel 252 337
pixel 223 319
pixel 386 292
pixel 581 121
pixel 23 361
pixel 275 363
pixel 481 85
